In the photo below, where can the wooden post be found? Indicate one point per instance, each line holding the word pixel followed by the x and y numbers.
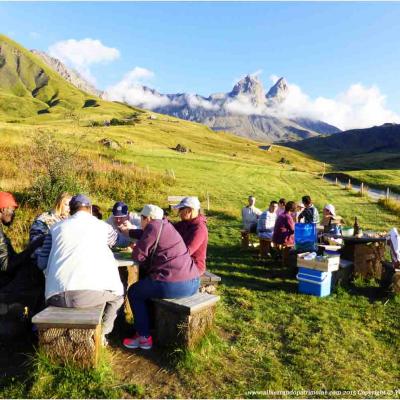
pixel 323 172
pixel 362 189
pixel 336 181
pixel 387 193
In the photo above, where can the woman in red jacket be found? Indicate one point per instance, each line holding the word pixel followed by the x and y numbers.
pixel 193 230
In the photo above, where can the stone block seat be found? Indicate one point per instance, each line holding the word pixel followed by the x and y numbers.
pixel 183 322
pixel 70 335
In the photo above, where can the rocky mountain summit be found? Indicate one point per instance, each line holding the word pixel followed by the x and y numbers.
pixel 70 75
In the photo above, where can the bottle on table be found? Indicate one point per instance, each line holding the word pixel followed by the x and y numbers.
pixel 356 227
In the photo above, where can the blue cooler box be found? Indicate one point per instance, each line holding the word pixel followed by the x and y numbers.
pixel 312 281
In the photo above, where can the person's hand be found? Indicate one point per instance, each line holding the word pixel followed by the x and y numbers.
pixel 125 227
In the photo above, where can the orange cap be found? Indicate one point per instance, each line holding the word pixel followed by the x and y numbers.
pixel 7 200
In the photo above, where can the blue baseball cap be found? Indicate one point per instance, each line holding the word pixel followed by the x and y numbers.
pixel 80 200
pixel 120 209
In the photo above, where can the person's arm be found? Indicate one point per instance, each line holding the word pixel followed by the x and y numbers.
pixel 44 252
pixel 199 235
pixel 38 229
pixel 112 236
pixel 143 247
pixel 290 224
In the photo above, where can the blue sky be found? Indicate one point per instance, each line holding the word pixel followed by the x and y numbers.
pixel 204 47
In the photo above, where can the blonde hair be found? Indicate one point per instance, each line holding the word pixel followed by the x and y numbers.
pixel 58 205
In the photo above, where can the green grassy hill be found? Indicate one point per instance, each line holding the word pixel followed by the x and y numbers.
pixel 266 336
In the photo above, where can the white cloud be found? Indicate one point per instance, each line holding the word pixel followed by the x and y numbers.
pixel 357 107
pixel 195 101
pixel 131 90
pixel 242 105
pixel 81 54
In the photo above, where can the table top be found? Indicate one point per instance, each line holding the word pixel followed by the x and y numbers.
pixel 357 240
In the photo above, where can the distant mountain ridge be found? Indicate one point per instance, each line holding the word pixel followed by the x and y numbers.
pixel 378 147
pixel 70 75
pixel 246 110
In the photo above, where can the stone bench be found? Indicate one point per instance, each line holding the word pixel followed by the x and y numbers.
pixel 70 335
pixel 209 282
pixel 183 322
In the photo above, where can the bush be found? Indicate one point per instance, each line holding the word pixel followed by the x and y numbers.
pixel 116 122
pixel 391 205
pixel 91 103
pixel 53 163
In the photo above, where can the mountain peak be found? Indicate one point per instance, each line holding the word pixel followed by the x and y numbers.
pixel 278 91
pixel 250 86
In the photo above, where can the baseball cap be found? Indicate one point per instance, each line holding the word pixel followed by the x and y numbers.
pixel 7 200
pixel 330 208
pixel 152 211
pixel 120 209
pixel 81 200
pixel 191 202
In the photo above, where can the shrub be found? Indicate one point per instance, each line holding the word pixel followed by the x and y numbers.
pixel 90 103
pixel 53 164
pixel 391 205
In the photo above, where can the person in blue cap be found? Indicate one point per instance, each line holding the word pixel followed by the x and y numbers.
pixel 122 217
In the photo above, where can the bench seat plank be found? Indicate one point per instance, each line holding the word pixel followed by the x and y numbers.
pixel 209 277
pixel 69 317
pixel 189 305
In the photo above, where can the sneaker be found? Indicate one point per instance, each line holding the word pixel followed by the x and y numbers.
pixel 131 343
pixel 145 343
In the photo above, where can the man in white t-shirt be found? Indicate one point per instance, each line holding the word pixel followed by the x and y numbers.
pixel 79 267
pixel 250 215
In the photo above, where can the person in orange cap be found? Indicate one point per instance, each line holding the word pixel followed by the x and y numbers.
pixel 15 268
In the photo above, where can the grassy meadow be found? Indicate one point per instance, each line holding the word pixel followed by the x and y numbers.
pixel 266 335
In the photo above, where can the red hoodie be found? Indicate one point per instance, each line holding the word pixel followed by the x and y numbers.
pixel 195 236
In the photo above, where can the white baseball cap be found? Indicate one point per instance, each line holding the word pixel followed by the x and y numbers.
pixel 330 208
pixel 191 202
pixel 152 211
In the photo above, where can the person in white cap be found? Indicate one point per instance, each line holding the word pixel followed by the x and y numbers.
pixel 330 221
pixel 193 230
pixel 169 270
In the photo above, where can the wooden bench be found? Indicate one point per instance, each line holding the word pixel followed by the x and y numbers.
pixel 70 334
pixel 183 322
pixel 209 282
pixel 174 200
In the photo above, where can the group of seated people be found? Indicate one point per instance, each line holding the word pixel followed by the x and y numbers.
pixel 72 246
pixel 276 224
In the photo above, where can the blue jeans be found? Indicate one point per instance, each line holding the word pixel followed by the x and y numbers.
pixel 147 288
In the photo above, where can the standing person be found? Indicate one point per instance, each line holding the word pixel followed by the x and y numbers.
pixel 80 268
pixel 283 236
pixel 17 273
pixel 193 230
pixel 299 210
pixel 250 214
pixel 122 217
pixel 281 206
pixel 170 271
pixel 310 213
pixel 267 220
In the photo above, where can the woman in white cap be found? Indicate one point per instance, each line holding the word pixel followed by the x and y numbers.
pixel 169 270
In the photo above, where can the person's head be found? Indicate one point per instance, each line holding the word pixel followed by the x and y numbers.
pixel 299 206
pixel 306 201
pixel 329 210
pixel 251 200
pixel 290 207
pixel 96 212
pixel 120 212
pixel 282 203
pixel 188 208
pixel 80 202
pixel 273 206
pixel 149 213
pixel 61 205
pixel 8 205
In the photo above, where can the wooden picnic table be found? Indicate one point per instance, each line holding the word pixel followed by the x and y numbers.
pixel 366 252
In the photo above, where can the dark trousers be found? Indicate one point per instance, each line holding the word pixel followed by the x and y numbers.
pixel 147 288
